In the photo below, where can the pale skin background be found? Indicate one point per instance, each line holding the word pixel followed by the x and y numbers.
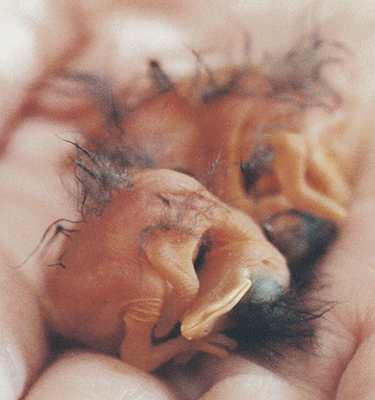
pixel 35 35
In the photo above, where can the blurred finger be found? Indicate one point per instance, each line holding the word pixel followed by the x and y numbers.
pixel 80 375
pixel 23 345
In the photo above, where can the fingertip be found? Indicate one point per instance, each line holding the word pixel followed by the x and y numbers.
pixel 81 375
pixel 11 377
pixel 23 345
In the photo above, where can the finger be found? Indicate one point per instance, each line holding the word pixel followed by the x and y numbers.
pixel 240 379
pixel 23 343
pixel 80 375
pixel 36 40
pixel 339 359
pixel 358 380
pixel 30 200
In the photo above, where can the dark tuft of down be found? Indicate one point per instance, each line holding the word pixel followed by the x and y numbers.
pixel 265 329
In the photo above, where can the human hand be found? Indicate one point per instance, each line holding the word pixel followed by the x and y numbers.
pixel 32 190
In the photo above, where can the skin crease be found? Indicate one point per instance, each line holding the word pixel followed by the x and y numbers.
pixel 33 196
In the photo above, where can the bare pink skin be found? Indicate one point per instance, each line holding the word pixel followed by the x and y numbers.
pixel 110 287
pixel 31 190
